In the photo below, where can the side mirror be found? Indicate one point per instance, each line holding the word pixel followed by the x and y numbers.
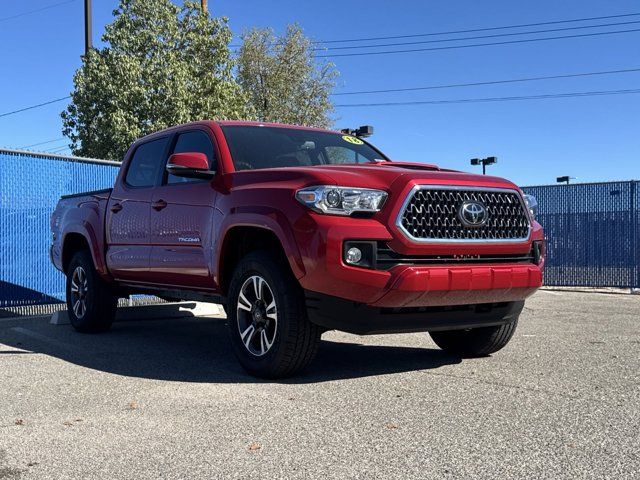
pixel 190 165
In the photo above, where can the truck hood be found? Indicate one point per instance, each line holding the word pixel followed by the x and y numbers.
pixel 383 175
pixel 390 175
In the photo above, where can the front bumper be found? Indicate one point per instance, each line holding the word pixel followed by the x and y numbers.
pixel 406 285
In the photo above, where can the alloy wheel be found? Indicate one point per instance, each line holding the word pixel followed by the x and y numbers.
pixel 257 315
pixel 79 290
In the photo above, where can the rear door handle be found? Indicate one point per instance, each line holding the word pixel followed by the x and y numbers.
pixel 159 205
pixel 116 207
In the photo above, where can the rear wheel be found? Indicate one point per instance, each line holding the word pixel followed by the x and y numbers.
pixel 271 334
pixel 91 304
pixel 475 342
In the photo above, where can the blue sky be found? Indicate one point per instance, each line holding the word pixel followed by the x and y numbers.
pixel 590 138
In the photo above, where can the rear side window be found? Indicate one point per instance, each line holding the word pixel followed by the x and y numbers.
pixel 146 162
pixel 195 141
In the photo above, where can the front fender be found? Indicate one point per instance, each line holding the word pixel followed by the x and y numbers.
pixel 267 218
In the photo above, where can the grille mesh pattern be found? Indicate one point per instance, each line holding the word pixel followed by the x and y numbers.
pixel 432 214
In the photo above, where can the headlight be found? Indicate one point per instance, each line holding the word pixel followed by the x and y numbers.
pixel 532 204
pixel 341 200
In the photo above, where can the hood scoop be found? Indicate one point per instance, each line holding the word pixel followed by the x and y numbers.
pixel 408 165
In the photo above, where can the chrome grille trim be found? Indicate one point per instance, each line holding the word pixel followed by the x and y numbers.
pixel 435 240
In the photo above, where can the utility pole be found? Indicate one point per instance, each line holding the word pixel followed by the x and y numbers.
pixel 87 26
pixel 204 5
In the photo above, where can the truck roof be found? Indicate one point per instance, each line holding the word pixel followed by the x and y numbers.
pixel 249 123
pixel 224 123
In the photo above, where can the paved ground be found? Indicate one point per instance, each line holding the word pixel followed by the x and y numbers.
pixel 165 399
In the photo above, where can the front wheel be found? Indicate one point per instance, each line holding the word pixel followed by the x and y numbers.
pixel 475 342
pixel 271 334
pixel 91 304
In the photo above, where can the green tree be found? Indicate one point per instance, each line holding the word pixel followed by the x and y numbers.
pixel 161 65
pixel 283 80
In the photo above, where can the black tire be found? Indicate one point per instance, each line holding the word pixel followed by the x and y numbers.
pixel 476 342
pixel 294 340
pixel 99 300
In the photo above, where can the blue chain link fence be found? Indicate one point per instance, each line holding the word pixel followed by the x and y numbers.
pixel 592 233
pixel 592 230
pixel 30 186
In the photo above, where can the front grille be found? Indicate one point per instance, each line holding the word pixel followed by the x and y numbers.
pixel 431 214
pixel 387 258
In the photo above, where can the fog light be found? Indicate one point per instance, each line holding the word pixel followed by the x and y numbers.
pixel 354 255
pixel 538 251
pixel 359 253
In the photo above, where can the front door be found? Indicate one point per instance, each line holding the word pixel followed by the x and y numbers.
pixel 181 220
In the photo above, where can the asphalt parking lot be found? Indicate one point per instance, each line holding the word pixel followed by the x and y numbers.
pixel 166 399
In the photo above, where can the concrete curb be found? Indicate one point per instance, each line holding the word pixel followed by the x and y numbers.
pixel 153 312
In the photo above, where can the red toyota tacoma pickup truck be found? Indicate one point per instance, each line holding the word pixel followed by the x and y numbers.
pixel 297 231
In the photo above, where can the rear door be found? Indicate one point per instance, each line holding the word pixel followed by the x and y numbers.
pixel 182 220
pixel 128 212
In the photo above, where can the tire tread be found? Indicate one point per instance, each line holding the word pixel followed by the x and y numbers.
pixel 101 313
pixel 476 342
pixel 302 337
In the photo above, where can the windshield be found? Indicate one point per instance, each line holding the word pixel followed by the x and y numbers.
pixel 255 147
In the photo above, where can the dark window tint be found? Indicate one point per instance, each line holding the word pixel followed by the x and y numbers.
pixel 147 159
pixel 196 141
pixel 254 147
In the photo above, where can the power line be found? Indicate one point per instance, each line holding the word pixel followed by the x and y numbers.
pixel 477 37
pixel 496 99
pixel 452 47
pixel 473 30
pixel 6 114
pixel 58 149
pixel 36 10
pixel 390 90
pixel 42 143
pixel 493 82
pixel 485 29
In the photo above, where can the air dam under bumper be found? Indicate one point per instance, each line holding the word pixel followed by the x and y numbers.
pixel 439 286
pixel 339 314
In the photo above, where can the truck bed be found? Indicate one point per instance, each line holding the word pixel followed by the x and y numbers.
pixel 83 213
pixel 90 193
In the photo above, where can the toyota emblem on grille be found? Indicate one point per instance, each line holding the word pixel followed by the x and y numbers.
pixel 473 214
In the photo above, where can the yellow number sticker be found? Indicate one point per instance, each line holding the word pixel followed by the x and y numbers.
pixel 354 140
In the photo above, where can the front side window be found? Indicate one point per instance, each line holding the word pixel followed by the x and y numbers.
pixel 256 147
pixel 146 163
pixel 195 141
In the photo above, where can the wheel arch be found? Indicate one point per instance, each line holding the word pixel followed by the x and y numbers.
pixel 241 238
pixel 77 240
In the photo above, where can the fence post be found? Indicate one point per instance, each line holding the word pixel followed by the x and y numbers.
pixel 635 258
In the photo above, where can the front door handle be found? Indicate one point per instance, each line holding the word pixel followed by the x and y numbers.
pixel 159 205
pixel 116 207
